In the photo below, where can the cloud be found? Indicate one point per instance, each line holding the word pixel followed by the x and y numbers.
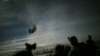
pixel 19 43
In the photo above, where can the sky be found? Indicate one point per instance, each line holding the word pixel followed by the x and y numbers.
pixel 55 21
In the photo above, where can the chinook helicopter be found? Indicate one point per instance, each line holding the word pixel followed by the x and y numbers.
pixel 33 29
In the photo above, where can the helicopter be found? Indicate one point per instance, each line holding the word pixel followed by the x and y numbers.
pixel 33 29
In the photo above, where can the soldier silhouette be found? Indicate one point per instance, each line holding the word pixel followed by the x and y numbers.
pixel 28 51
pixel 91 46
pixel 78 48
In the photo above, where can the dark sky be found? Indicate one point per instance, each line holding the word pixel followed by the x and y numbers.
pixel 55 20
